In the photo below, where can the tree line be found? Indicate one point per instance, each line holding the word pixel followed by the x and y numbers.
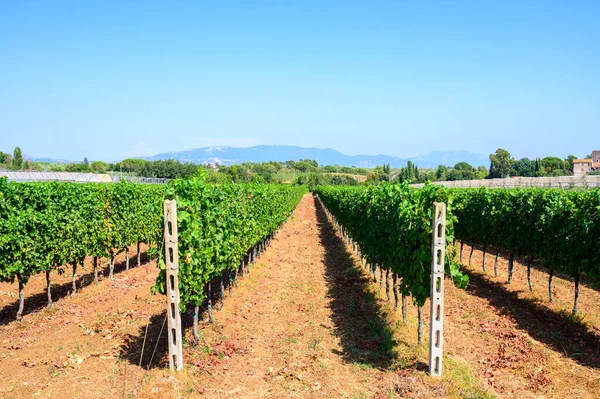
pixel 308 171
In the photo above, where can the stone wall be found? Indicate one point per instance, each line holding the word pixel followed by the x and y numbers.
pixel 564 182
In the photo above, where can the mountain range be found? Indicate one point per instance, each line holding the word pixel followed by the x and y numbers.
pixel 324 156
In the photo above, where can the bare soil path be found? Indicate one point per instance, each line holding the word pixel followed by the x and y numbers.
pixel 307 322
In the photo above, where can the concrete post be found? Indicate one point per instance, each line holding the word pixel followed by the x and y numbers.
pixel 172 266
pixel 436 325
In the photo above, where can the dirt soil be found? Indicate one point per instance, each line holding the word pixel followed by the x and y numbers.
pixel 307 322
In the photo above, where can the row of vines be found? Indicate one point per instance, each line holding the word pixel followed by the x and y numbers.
pixel 557 228
pixel 392 227
pixel 221 229
pixel 48 226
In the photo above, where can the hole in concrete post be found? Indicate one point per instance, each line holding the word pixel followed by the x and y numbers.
pixel 436 368
pixel 437 338
pixel 175 361
pixel 439 230
pixel 438 312
pixel 171 255
pixel 172 278
pixel 170 228
pixel 439 257
pixel 438 284
pixel 174 336
pixel 173 311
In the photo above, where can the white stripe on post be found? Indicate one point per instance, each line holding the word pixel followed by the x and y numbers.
pixel 172 267
pixel 436 326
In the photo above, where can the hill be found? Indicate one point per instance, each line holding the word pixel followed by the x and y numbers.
pixel 324 156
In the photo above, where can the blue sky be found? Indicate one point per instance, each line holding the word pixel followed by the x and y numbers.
pixel 112 79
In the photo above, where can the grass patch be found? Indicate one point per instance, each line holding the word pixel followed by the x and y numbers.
pixel 462 382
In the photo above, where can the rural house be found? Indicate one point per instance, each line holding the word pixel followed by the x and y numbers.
pixel 582 167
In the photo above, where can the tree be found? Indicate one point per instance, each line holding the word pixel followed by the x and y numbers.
pixel 500 164
pixel 3 157
pixel 86 162
pixel 304 166
pixel 554 166
pixel 99 167
pixel 481 173
pixel 525 167
pixel 441 172
pixel 569 162
pixel 132 165
pixel 311 162
pixel 462 171
pixel 17 158
pixel 76 167
pixel 409 173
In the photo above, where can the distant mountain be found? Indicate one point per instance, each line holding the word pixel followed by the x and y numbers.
pixel 51 160
pixel 327 156
pixel 450 158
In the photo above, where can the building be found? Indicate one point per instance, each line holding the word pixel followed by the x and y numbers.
pixel 582 167
pixel 596 160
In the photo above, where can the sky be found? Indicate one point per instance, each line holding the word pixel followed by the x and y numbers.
pixel 114 79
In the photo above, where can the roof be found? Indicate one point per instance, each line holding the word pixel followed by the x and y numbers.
pixel 582 161
pixel 56 176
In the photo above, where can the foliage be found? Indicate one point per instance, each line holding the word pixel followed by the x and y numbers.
pixel 554 166
pixel 166 169
pixel 392 224
pixel 44 226
pixel 218 225
pixel 525 167
pixel 98 167
pixel 380 174
pixel 501 164
pixel 17 160
pixel 560 228
pixel 77 168
pixel 313 180
pixel 410 173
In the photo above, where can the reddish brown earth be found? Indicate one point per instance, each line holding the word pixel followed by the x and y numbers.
pixel 307 322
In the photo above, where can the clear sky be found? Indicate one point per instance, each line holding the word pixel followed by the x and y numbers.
pixel 112 79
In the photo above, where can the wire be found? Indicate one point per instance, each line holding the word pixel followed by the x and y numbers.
pixel 157 341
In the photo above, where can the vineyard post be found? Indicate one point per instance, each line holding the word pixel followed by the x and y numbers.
pixel 172 267
pixel 436 329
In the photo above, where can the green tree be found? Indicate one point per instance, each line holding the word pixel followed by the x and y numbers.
pixel 501 164
pixel 329 169
pixel 569 162
pixel 76 168
pixel 3 157
pixel 99 167
pixel 311 162
pixel 553 166
pixel 441 172
pixel 525 167
pixel 134 165
pixel 481 173
pixel 17 159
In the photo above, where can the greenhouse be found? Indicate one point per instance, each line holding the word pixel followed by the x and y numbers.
pixel 56 176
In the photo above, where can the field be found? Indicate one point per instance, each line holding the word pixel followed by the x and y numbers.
pixel 308 321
